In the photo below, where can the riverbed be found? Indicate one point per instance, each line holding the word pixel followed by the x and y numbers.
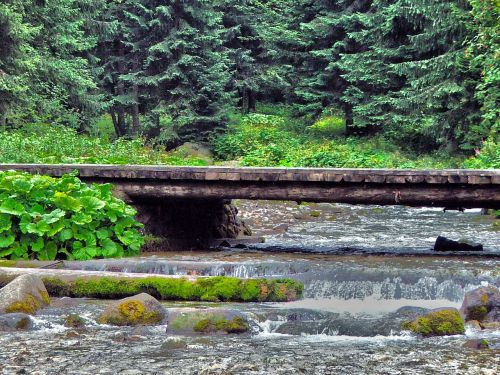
pixel 363 269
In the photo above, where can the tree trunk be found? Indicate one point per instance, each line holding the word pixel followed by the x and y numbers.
pixel 252 101
pixel 245 101
pixel 118 129
pixel 348 119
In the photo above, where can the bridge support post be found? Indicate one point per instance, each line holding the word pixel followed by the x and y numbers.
pixel 190 222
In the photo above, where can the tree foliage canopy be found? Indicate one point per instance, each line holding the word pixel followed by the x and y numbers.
pixel 424 72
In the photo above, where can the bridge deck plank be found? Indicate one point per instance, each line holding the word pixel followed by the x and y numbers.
pixel 450 176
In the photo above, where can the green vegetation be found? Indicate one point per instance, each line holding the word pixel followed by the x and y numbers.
pixel 51 144
pixel 399 78
pixel 271 140
pixel 29 304
pixel 179 289
pixel 216 323
pixel 74 321
pixel 132 312
pixel 437 323
pixel 63 218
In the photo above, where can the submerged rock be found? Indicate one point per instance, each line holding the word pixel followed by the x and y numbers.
pixel 212 321
pixel 476 344
pixel 312 322
pixel 141 309
pixel 26 294
pixel 440 322
pixel 15 321
pixel 482 304
pixel 445 244
pixel 74 321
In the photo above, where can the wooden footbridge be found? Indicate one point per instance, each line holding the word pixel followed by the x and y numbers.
pixel 442 188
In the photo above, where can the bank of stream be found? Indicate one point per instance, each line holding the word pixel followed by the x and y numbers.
pixel 364 269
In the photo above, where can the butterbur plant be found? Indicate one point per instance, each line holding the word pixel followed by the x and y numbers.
pixel 49 218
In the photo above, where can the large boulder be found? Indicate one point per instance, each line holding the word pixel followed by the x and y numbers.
pixel 196 150
pixel 15 321
pixel 482 304
pixel 141 309
pixel 445 244
pixel 439 322
pixel 25 294
pixel 206 321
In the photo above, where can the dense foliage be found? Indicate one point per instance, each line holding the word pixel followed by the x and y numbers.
pixel 56 144
pixel 62 218
pixel 423 73
pixel 271 140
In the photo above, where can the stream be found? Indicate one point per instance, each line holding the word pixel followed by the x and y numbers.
pixel 364 268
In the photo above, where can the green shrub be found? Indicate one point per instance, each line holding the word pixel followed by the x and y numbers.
pixel 437 323
pixel 488 157
pixel 260 140
pixel 63 218
pixel 330 126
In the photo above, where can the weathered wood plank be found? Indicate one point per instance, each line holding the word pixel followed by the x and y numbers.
pixel 433 195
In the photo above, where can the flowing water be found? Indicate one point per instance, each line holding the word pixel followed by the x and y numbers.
pixel 364 269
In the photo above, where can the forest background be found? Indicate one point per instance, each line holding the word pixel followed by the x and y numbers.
pixel 315 83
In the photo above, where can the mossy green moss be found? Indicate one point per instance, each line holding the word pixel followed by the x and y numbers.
pixel 211 289
pixel 23 323
pixel 215 323
pixel 7 263
pixel 74 321
pixel 437 323
pixel 29 305
pixel 315 213
pixel 132 312
pixel 237 325
pixel 477 313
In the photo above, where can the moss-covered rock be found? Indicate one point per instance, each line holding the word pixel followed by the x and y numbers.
pixel 440 322
pixel 210 289
pixel 25 294
pixel 15 321
pixel 141 309
pixel 74 321
pixel 210 321
pixel 482 304
pixel 476 344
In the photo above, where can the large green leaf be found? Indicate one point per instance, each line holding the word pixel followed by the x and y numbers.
pixel 92 203
pixel 39 228
pixel 127 237
pixel 66 234
pixel 64 201
pixel 49 251
pixel 6 240
pixel 81 219
pixel 53 216
pixel 109 247
pixel 12 207
pixel 5 222
pixel 4 253
pixel 102 233
pixel 37 245
pixel 56 228
pixel 22 185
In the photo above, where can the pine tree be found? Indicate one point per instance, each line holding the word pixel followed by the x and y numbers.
pixel 326 37
pixel 45 72
pixel 408 76
pixel 483 54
